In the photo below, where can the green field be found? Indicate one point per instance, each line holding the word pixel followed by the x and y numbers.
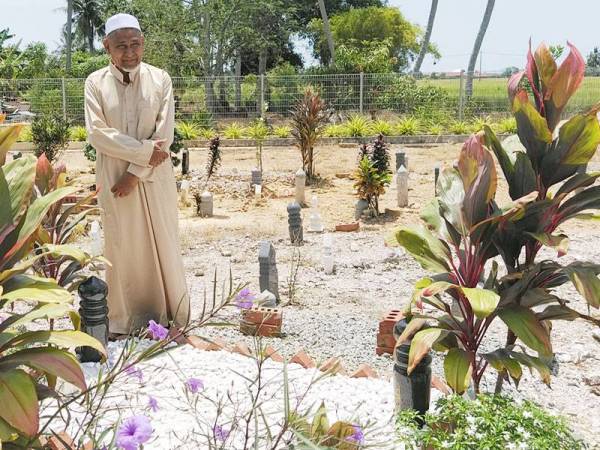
pixel 492 91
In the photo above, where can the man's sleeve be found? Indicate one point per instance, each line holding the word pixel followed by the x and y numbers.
pixel 111 141
pixel 165 126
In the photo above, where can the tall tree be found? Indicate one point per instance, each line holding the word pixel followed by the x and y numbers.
pixel 68 26
pixel 426 38
pixel 327 31
pixel 487 15
pixel 87 17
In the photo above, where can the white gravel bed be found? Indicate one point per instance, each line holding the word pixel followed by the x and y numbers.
pixel 185 421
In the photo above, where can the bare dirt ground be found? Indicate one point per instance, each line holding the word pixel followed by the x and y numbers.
pixel 337 315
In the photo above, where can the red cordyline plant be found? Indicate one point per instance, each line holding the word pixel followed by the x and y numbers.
pixel 466 229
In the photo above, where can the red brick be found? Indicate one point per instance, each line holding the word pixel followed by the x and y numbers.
pixel 263 315
pixel 303 359
pixel 54 443
pixel 386 340
pixel 252 329
pixel 241 348
pixel 333 365
pixel 383 350
pixel 217 344
pixel 347 227
pixel 364 371
pixel 197 342
pixel 270 352
pixel 386 325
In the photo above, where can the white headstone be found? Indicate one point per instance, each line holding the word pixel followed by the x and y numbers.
pixel 206 204
pixel 315 224
pixel 402 186
pixel 328 262
pixel 96 247
pixel 184 192
pixel 257 190
pixel 300 187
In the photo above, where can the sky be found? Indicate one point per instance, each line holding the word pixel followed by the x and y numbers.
pixel 513 23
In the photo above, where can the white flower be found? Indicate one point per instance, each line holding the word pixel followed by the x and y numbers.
pixel 526 435
pixel 511 446
pixel 527 414
pixel 520 429
pixel 523 446
pixel 472 431
pixel 471 420
pixel 479 435
pixel 446 444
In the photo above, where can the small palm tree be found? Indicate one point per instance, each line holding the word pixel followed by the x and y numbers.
pixel 87 21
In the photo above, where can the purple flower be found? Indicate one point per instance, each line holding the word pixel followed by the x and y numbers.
pixel 221 434
pixel 152 403
pixel 133 372
pixel 157 331
pixel 133 432
pixel 358 436
pixel 244 299
pixel 194 385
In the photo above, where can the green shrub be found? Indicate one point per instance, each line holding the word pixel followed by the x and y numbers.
pixel 478 124
pixel 508 126
pixel 78 133
pixel 25 135
pixel 435 129
pixel 409 126
pixel 358 126
pixel 50 135
pixel 382 127
pixel 489 422
pixel 459 127
pixel 233 131
pixel 203 119
pixel 335 130
pixel 176 147
pixel 188 130
pixel 282 131
pixel 405 95
pixel 208 133
pixel 89 152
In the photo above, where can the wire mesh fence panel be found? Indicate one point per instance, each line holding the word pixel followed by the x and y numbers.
pixel 206 100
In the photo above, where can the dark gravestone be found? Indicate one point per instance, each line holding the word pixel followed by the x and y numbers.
pixel 268 276
pixel 295 223
pixel 185 161
pixel 401 159
pixel 93 310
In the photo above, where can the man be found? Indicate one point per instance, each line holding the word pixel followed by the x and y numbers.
pixel 130 117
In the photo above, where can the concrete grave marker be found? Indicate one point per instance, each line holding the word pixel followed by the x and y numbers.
pixel 300 187
pixel 268 276
pixel 402 186
pixel 295 223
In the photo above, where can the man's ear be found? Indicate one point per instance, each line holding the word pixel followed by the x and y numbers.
pixel 105 44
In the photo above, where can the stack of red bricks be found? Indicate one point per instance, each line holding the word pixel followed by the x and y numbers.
pixel 261 321
pixel 385 336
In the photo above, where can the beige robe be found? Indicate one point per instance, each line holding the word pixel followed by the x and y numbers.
pixel 147 278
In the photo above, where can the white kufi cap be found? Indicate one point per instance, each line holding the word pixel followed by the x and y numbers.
pixel 119 21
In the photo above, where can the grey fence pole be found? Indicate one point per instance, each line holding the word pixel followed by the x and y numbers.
pixel 362 90
pixel 64 99
pixel 461 98
pixel 262 95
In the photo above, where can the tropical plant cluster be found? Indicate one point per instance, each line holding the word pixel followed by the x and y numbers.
pixel 465 228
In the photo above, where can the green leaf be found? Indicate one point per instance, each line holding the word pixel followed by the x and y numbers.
pixel 63 339
pixel 502 362
pixel 437 288
pixel 69 251
pixel 532 129
pixel 526 326
pixel 577 181
pixel 451 197
pixel 560 242
pixel 457 370
pixel 58 363
pixel 588 199
pixel 320 424
pixel 558 312
pixel 19 401
pixel 28 287
pixel 577 142
pixel 7 433
pixel 482 301
pixel 432 253
pixel 421 344
pixel 533 363
pixel 412 327
pixel 47 311
pixel 587 284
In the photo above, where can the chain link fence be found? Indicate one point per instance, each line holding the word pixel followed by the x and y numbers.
pixel 206 100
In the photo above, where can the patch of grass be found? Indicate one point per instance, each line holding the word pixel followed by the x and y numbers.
pixel 382 127
pixel 508 126
pixel 409 126
pixel 282 131
pixel 335 130
pixel 459 127
pixel 358 126
pixel 233 131
pixel 188 130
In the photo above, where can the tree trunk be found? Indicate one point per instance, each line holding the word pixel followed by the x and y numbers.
pixel 238 80
pixel 426 38
pixel 69 34
pixel 327 31
pixel 91 39
pixel 261 87
pixel 487 15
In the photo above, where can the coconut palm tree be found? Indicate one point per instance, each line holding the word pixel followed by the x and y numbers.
pixel 426 38
pixel 69 34
pixel 87 19
pixel 327 31
pixel 487 15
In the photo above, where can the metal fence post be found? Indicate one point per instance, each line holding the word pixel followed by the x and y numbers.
pixel 64 99
pixel 362 90
pixel 262 95
pixel 461 96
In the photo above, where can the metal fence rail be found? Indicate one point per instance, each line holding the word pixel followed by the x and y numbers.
pixel 207 99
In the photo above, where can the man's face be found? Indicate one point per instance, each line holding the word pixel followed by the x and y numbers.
pixel 125 47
